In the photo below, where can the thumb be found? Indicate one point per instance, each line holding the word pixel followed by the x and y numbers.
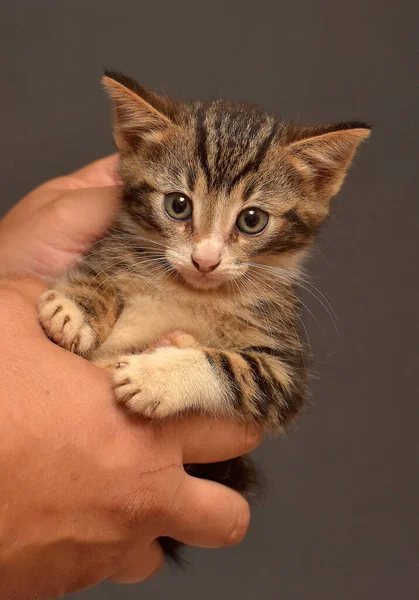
pixel 208 515
pixel 51 238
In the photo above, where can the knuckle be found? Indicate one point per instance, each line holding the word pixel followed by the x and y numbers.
pixel 52 184
pixel 136 508
pixel 240 526
pixel 148 501
pixel 58 208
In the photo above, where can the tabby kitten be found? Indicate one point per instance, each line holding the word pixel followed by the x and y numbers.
pixel 189 300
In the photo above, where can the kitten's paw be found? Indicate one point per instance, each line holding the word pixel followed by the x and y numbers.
pixel 65 323
pixel 141 384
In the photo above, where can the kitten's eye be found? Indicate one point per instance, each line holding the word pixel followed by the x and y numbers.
pixel 178 206
pixel 252 221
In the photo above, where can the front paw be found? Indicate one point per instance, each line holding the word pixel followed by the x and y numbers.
pixel 141 382
pixel 65 323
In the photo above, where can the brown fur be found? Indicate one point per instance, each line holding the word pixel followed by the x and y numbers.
pixel 242 357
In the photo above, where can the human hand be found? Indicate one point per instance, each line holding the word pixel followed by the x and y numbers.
pixel 89 489
pixel 52 226
pixel 86 489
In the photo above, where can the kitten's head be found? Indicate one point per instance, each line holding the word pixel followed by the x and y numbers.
pixel 223 184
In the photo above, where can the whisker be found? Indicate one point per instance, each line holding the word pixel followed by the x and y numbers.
pixel 115 251
pixel 302 304
pixel 129 268
pixel 288 321
pixel 128 237
pixel 278 272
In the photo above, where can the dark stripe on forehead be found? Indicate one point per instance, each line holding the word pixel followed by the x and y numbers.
pixel 254 164
pixel 249 190
pixel 293 178
pixel 201 137
pixel 191 178
pixel 219 154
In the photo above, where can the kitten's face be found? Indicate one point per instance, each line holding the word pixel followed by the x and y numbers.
pixel 214 230
pixel 224 185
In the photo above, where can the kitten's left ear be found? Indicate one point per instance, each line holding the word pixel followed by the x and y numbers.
pixel 140 115
pixel 325 154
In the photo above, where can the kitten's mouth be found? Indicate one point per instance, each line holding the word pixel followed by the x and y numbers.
pixel 203 281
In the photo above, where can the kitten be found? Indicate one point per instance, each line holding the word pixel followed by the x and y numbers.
pixel 189 300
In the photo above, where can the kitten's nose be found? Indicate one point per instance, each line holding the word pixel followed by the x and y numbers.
pixel 205 264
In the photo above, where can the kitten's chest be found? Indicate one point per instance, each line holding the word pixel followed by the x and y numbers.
pixel 146 318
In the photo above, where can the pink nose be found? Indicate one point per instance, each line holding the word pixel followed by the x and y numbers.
pixel 207 264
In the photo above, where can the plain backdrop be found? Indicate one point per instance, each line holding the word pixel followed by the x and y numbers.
pixel 338 520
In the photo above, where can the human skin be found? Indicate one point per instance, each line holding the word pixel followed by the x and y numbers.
pixel 86 489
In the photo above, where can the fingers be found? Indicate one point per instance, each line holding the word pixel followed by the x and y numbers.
pixel 139 563
pixel 56 235
pixel 206 440
pixel 209 515
pixel 88 198
pixel 82 215
pixel 102 172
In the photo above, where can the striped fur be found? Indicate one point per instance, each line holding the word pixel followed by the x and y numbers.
pixel 238 352
pixel 225 157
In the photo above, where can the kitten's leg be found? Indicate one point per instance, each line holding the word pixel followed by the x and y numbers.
pixel 80 311
pixel 250 385
pixel 239 473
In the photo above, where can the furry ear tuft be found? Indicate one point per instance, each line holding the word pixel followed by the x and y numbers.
pixel 326 154
pixel 137 117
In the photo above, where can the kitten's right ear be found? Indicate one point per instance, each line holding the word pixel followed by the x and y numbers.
pixel 136 117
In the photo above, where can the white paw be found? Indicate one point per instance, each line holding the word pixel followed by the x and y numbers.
pixel 142 383
pixel 65 323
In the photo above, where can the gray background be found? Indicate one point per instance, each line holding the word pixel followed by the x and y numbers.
pixel 338 522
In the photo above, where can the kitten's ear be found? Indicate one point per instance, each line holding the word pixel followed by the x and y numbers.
pixel 325 154
pixel 140 115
